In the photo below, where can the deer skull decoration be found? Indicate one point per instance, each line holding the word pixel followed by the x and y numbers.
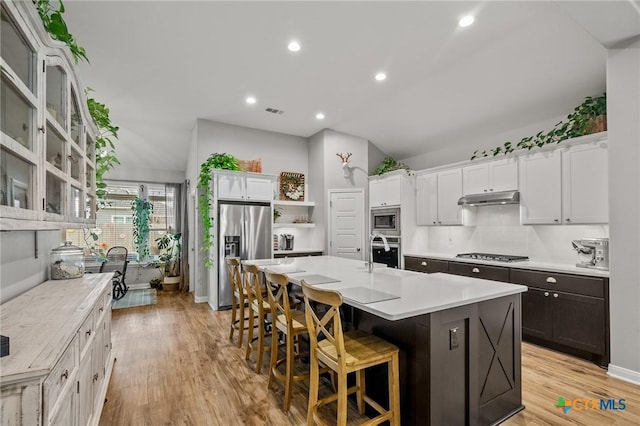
pixel 346 169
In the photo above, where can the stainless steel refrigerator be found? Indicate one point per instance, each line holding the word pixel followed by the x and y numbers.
pixel 244 230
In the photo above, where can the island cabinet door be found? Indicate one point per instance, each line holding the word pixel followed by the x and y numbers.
pixel 537 317
pixel 579 322
pixel 495 273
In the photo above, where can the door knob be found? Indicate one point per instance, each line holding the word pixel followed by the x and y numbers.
pixel 475 270
pixel 423 263
pixel 555 294
pixel 358 249
pixel 546 293
pixel 551 280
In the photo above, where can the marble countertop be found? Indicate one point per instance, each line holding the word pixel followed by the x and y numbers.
pixel 414 293
pixel 530 264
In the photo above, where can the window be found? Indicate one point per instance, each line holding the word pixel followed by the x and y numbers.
pixel 114 222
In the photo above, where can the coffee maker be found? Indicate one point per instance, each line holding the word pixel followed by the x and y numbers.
pixel 597 248
pixel 286 242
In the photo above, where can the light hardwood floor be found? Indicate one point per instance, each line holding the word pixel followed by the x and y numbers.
pixel 176 366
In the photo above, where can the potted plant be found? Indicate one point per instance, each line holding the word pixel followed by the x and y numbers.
pixel 169 261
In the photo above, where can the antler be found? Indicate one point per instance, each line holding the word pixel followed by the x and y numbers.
pixel 344 157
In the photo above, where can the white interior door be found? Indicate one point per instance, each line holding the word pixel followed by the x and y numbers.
pixel 346 224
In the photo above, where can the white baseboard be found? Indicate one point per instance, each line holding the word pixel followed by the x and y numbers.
pixel 201 299
pixel 624 374
pixel 213 307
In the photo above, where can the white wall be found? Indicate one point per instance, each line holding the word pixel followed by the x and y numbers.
pixel 279 152
pixel 463 150
pixel 498 230
pixel 375 157
pixel 623 108
pixel 20 269
pixel 145 175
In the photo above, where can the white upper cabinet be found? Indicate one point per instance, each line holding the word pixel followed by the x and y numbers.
pixel 540 190
pixel 241 186
pixel 385 191
pixel 259 189
pixel 565 186
pixel 585 184
pixel 494 176
pixel 437 197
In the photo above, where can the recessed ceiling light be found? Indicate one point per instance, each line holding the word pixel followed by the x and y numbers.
pixel 294 46
pixel 466 21
pixel 320 116
pixel 381 76
pixel 250 100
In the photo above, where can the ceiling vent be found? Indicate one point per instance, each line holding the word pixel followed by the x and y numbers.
pixel 274 111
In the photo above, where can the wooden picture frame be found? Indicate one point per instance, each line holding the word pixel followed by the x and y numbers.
pixel 291 186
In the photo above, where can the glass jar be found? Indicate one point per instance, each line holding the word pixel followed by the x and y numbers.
pixel 67 261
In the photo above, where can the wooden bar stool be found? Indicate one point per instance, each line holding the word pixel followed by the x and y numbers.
pixel 258 310
pixel 239 298
pixel 292 325
pixel 345 353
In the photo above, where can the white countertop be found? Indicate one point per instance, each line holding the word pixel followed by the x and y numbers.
pixel 529 264
pixel 417 293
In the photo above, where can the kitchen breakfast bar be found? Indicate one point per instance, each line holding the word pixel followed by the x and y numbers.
pixel 459 337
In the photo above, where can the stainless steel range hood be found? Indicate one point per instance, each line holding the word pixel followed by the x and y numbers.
pixel 490 198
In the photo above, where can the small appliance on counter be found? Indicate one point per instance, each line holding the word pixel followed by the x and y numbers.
pixel 286 242
pixel 67 261
pixel 597 249
pixel 492 257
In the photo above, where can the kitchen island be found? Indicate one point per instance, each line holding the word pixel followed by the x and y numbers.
pixel 459 337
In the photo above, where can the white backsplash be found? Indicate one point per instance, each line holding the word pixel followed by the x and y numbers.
pixel 498 230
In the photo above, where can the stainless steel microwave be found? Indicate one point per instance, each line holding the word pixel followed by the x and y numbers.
pixel 385 221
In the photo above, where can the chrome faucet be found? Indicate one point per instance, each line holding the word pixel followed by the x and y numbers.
pixel 386 248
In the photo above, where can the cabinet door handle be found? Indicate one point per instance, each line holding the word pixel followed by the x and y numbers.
pixel 439 221
pixel 475 270
pixel 551 280
pixel 64 375
pixel 434 222
pixel 485 190
pixel 568 220
pixel 101 309
pixel 88 333
pixel 546 294
pixel 555 220
pixel 555 295
pixel 423 263
pixel 95 377
pixel 490 189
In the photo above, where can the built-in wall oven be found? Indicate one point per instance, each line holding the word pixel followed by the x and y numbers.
pixel 385 221
pixel 392 257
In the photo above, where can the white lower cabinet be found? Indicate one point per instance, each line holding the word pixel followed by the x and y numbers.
pixel 49 381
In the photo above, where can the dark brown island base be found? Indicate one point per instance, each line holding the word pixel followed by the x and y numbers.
pixel 460 366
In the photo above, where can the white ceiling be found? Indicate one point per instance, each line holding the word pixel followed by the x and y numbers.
pixel 161 65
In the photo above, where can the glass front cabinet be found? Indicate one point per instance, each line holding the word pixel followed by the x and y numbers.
pixel 47 163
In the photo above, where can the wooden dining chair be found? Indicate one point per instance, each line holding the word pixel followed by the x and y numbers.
pixel 239 299
pixel 345 353
pixel 291 324
pixel 259 308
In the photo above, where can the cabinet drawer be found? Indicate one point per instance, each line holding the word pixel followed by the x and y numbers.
pixel 578 284
pixel 495 273
pixel 62 373
pixel 421 264
pixel 87 330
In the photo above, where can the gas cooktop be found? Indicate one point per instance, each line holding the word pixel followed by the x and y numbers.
pixel 492 257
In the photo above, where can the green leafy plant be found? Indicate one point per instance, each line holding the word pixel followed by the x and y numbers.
pixel 105 148
pixel 214 161
pixel 56 26
pixel 579 123
pixel 141 213
pixel 389 165
pixel 169 261
pixel 277 212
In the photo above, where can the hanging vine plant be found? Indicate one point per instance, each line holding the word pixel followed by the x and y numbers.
pixel 215 161
pixel 56 26
pixel 588 117
pixel 105 148
pixel 141 212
